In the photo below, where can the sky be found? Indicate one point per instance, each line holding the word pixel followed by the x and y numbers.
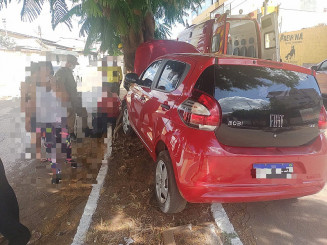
pixel 292 20
pixel 14 23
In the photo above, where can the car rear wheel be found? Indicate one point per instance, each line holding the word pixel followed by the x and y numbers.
pixel 167 193
pixel 126 125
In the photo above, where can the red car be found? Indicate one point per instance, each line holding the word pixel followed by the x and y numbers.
pixel 228 129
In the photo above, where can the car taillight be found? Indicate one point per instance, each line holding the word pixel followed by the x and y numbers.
pixel 322 123
pixel 200 111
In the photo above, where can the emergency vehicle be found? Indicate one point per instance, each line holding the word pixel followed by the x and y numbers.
pixel 236 35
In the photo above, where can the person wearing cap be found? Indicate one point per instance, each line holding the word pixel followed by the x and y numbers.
pixel 65 76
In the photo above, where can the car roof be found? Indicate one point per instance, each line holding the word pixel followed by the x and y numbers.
pixel 234 60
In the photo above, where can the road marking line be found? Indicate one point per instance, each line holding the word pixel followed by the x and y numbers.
pixel 224 224
pixel 92 202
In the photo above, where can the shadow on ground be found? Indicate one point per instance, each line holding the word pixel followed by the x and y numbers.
pixel 293 221
pixel 128 208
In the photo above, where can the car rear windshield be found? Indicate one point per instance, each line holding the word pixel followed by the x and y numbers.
pixel 263 107
pixel 252 87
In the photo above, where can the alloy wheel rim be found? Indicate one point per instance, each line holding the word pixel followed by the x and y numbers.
pixel 161 182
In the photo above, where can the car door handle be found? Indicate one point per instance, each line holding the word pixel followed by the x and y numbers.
pixel 165 107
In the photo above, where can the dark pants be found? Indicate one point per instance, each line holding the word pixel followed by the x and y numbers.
pixel 10 227
pixel 55 135
pixel 100 122
pixel 114 87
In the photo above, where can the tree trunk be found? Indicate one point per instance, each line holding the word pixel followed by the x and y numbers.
pixel 134 39
pixel 148 27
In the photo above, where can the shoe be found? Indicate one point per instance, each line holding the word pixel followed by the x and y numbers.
pixel 72 136
pixel 55 180
pixel 87 132
pixel 73 163
pixel 96 134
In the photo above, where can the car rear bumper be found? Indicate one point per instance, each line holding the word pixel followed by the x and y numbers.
pixel 210 172
pixel 207 193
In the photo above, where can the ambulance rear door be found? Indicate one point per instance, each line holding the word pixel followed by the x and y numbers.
pixel 270 37
pixel 219 37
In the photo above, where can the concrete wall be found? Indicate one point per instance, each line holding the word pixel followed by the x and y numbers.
pixel 12 66
pixel 304 47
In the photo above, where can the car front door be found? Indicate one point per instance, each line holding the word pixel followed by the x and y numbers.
pixel 140 96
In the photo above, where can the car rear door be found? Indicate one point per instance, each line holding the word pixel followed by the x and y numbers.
pixel 156 111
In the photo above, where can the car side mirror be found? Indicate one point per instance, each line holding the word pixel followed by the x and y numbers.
pixel 314 68
pixel 129 79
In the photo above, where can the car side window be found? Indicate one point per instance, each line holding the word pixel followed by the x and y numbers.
pixel 171 76
pixel 323 66
pixel 149 74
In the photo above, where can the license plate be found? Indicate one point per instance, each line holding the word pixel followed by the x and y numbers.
pixel 273 170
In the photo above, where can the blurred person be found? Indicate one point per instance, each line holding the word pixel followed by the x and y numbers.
pixel 28 104
pixel 108 109
pixel 112 73
pixel 65 77
pixel 51 119
pixel 10 226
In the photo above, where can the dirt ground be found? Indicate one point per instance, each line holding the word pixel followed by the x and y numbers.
pixel 127 208
pixel 52 212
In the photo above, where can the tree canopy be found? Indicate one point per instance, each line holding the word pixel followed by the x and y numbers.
pixel 110 22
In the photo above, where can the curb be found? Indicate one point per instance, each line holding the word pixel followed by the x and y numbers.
pixel 92 202
pixel 222 221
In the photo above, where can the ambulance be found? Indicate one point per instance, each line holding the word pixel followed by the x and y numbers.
pixel 237 35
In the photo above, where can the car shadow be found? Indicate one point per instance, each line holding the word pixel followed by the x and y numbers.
pixel 290 221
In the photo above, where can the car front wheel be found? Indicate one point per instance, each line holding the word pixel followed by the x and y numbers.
pixel 167 193
pixel 126 125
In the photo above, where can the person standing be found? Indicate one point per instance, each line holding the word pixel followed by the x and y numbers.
pixel 111 74
pixel 65 77
pixel 10 226
pixel 109 104
pixel 51 119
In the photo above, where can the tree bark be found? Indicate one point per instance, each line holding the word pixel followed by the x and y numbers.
pixel 134 39
pixel 148 27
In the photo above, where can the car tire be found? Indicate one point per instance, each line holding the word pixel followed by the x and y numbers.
pixel 127 129
pixel 166 190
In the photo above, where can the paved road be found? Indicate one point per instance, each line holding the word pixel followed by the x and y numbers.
pixel 12 134
pixel 297 221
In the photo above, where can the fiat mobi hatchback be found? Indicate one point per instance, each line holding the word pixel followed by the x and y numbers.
pixel 228 129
